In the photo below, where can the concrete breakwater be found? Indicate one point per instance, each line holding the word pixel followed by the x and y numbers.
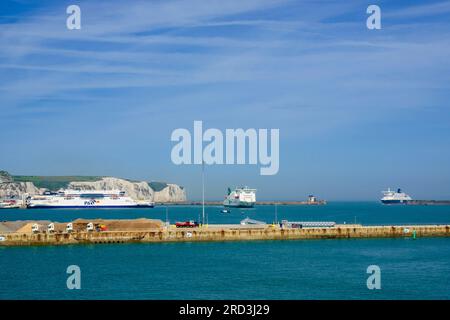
pixel 144 230
pixel 258 203
pixel 429 202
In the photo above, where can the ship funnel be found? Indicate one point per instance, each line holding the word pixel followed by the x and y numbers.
pixel 399 190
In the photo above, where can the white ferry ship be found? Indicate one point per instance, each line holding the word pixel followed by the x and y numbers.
pixel 10 203
pixel 392 197
pixel 86 199
pixel 240 198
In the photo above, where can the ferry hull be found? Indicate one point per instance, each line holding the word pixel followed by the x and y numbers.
pixel 239 205
pixel 394 201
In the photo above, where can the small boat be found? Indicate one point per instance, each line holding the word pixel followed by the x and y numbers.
pixel 225 211
pixel 248 221
pixel 9 204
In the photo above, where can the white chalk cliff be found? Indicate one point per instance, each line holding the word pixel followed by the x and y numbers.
pixel 136 190
pixel 9 188
pixel 139 190
pixel 171 193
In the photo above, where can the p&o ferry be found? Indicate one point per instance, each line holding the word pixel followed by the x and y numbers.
pixel 86 199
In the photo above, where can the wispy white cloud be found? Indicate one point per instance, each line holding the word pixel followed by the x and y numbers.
pixel 169 44
pixel 423 10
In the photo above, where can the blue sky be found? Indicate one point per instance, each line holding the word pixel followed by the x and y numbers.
pixel 358 110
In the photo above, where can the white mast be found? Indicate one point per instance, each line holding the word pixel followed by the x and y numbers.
pixel 167 215
pixel 276 213
pixel 203 192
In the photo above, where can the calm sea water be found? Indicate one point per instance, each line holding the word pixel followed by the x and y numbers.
pixel 300 269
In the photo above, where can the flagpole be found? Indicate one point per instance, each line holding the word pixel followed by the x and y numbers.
pixel 276 213
pixel 203 192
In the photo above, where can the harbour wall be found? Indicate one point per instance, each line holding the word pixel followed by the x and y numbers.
pixel 258 203
pixel 223 233
pixel 429 202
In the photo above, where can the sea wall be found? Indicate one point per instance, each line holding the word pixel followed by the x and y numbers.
pixel 224 233
pixel 429 202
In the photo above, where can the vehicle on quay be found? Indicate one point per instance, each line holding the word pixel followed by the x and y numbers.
pixel 187 224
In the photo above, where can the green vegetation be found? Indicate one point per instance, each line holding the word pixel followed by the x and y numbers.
pixel 53 182
pixel 4 176
pixel 157 186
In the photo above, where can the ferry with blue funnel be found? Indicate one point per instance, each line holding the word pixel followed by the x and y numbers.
pixel 86 199
pixel 392 197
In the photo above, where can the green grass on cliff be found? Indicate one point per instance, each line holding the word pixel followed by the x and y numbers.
pixel 53 182
pixel 157 186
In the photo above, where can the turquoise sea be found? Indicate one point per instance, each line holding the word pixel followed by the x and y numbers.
pixel 297 269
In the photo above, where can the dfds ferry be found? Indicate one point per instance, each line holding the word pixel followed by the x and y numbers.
pixel 86 199
pixel 392 197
